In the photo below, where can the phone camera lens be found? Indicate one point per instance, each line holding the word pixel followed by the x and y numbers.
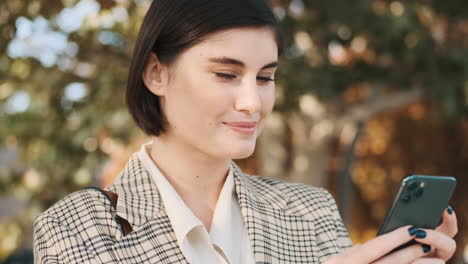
pixel 412 186
pixel 418 192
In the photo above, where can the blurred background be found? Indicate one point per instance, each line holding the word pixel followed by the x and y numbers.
pixel 368 91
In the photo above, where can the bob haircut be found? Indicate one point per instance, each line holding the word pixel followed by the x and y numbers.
pixel 173 26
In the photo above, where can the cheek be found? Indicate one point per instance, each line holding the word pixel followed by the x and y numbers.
pixel 212 101
pixel 197 103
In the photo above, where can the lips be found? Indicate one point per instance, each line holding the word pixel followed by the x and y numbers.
pixel 245 128
pixel 241 124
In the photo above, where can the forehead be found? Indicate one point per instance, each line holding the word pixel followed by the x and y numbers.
pixel 253 46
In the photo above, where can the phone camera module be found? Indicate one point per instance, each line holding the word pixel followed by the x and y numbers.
pixel 415 190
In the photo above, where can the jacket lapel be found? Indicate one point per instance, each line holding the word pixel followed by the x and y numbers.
pixel 153 240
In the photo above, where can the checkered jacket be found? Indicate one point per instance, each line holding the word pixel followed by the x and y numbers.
pixel 286 223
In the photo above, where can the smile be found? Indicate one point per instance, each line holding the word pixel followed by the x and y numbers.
pixel 246 128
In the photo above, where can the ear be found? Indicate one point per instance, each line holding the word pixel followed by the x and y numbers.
pixel 154 75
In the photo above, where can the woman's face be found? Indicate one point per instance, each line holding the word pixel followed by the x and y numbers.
pixel 219 92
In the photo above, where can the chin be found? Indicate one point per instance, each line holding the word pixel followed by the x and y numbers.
pixel 242 153
pixel 233 148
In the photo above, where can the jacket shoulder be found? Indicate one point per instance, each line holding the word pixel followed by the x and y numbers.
pixel 63 233
pixel 74 207
pixel 82 210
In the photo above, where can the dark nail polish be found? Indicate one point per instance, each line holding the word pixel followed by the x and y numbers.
pixel 426 248
pixel 449 209
pixel 412 231
pixel 420 234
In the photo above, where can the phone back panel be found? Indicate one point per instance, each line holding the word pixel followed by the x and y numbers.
pixel 420 202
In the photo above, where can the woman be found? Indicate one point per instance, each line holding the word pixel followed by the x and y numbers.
pixel 201 84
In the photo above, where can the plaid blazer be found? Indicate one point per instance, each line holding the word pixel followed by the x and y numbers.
pixel 286 223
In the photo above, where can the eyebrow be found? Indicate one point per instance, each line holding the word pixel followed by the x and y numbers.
pixel 231 61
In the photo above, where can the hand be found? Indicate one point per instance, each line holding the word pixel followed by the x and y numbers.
pixel 449 223
pixel 438 243
pixel 438 246
pixel 449 228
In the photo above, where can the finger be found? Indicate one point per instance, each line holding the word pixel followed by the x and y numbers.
pixel 449 223
pixel 381 245
pixel 350 251
pixel 428 261
pixel 405 255
pixel 444 244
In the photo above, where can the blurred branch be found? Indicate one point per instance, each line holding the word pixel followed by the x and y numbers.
pixel 371 108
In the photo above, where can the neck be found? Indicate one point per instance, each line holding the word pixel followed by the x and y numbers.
pixel 196 177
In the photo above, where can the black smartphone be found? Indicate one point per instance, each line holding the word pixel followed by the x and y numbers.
pixel 420 202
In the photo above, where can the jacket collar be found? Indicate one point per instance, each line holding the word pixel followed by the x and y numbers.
pixel 139 200
pixel 265 209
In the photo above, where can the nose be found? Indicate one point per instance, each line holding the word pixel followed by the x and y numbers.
pixel 248 97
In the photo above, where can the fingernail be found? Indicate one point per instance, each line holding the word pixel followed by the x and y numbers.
pixel 426 248
pixel 412 231
pixel 449 209
pixel 420 234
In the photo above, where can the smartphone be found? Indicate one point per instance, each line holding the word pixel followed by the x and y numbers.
pixel 420 202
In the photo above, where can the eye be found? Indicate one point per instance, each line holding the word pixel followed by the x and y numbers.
pixel 265 79
pixel 225 76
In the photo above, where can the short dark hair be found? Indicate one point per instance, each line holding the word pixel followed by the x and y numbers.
pixel 172 26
